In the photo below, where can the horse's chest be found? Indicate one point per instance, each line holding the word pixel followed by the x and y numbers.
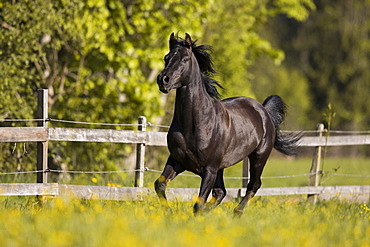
pixel 184 151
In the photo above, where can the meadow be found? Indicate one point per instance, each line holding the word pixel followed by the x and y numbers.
pixel 266 222
pixel 275 167
pixel 333 170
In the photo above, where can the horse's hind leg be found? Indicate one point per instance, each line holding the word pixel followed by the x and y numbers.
pixel 171 170
pixel 218 191
pixel 257 164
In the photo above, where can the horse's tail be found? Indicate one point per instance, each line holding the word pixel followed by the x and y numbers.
pixel 284 143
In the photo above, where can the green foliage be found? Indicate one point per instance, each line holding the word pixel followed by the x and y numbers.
pixel 297 9
pixel 232 28
pixel 22 26
pixel 291 85
pixel 99 60
pixel 329 115
pixel 332 50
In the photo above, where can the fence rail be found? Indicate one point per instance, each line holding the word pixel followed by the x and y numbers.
pixel 150 138
pixel 357 192
pixel 43 134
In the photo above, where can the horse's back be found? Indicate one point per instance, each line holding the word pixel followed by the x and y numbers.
pixel 245 108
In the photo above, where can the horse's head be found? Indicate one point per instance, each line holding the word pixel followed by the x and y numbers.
pixel 178 64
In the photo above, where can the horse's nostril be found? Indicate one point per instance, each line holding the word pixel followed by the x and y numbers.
pixel 166 79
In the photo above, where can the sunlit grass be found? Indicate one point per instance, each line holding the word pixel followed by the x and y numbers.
pixel 274 167
pixel 283 167
pixel 266 222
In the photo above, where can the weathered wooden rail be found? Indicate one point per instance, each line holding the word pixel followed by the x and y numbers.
pixel 43 134
pixel 149 138
pixel 352 192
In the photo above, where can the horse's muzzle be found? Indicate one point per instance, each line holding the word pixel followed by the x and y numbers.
pixel 162 81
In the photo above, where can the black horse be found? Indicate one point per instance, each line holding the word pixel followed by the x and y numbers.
pixel 208 134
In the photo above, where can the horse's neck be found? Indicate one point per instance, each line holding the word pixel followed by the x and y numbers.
pixel 192 105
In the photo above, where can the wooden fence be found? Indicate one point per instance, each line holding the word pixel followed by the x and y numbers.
pixel 43 134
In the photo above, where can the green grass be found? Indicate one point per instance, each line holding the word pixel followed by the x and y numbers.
pixel 284 167
pixel 266 222
pixel 274 167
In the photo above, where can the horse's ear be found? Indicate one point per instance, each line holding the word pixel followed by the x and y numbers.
pixel 172 40
pixel 188 41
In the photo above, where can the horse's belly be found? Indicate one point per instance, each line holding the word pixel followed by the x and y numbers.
pixel 237 153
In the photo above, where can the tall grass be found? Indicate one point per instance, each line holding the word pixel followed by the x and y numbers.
pixel 266 222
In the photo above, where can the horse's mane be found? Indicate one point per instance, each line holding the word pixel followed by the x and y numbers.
pixel 205 62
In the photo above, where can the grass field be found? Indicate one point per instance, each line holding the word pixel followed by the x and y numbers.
pixel 266 222
pixel 284 167
pixel 274 167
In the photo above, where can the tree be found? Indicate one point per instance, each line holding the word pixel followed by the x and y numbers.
pixel 97 58
pixel 232 28
pixel 291 85
pixel 331 49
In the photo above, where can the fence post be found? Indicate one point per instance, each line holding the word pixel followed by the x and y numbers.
pixel 42 147
pixel 314 178
pixel 245 175
pixel 140 153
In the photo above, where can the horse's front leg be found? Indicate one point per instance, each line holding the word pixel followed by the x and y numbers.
pixel 218 191
pixel 208 181
pixel 171 170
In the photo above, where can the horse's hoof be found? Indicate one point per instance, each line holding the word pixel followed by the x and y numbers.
pixel 198 209
pixel 197 212
pixel 238 213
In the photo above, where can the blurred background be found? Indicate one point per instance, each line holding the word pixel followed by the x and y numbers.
pixel 99 60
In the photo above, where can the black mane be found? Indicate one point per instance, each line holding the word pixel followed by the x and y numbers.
pixel 205 62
